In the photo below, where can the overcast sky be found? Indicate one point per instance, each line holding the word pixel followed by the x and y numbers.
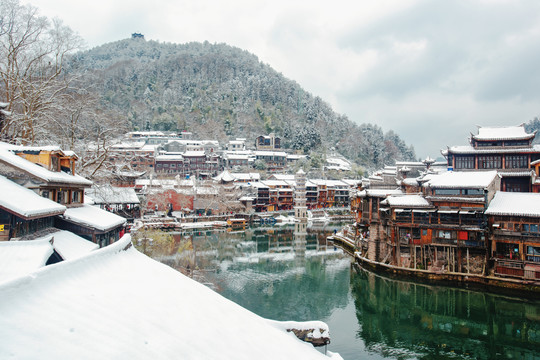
pixel 429 70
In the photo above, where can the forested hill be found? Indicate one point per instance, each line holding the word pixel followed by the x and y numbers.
pixel 221 92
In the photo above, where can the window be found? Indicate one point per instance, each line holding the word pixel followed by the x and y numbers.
pixel 533 253
pixel 76 197
pixel 446 234
pixel 516 162
pixel 530 228
pixel 62 197
pixel 490 162
pixel 447 192
pixel 464 162
pixel 473 192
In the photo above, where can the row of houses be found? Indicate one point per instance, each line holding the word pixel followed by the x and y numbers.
pixel 478 218
pixel 277 192
pixel 42 195
pixel 241 192
pixel 180 155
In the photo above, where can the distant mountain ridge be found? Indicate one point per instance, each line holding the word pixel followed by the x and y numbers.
pixel 221 92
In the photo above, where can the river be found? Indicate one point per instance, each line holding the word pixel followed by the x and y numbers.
pixel 283 276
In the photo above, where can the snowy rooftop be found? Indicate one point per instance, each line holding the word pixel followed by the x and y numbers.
pixel 410 182
pixel 406 201
pixel 258 184
pixel 274 183
pixel 462 180
pixel 282 177
pixel 514 204
pixel 247 176
pixel 379 192
pixel 19 258
pixel 503 133
pixel 225 176
pixel 69 311
pixel 71 246
pixel 351 182
pixel 270 153
pixel 296 156
pixel 467 149
pixel 233 156
pixel 112 195
pixel 26 203
pixel 38 171
pixel 194 153
pixel 338 163
pixel 94 217
pixel 176 157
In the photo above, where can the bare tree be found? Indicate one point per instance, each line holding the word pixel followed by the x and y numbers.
pixel 33 50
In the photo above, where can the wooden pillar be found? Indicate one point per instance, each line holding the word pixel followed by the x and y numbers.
pixel 468 266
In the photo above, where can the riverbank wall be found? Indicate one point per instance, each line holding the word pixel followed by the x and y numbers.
pixel 505 286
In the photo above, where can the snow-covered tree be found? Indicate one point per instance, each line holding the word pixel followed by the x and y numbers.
pixel 32 54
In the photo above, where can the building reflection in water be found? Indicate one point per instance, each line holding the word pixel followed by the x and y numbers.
pixel 398 316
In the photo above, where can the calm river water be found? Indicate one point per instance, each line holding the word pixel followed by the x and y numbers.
pixel 278 275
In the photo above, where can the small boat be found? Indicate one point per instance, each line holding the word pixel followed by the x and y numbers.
pixel 236 223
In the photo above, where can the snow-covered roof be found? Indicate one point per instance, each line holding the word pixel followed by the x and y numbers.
pixel 25 203
pixel 503 133
pixel 410 182
pixel 176 157
pixel 270 153
pixel 69 245
pixel 474 200
pixel 70 310
pixel 467 149
pixel 233 156
pixel 282 177
pixel 247 176
pixel 352 182
pixel 19 258
pixel 194 153
pixel 379 192
pixel 273 183
pixel 406 201
pixel 40 172
pixel 94 217
pixel 296 156
pixel 514 204
pixel 224 176
pixel 339 164
pixel 462 180
pixel 258 184
pixel 106 194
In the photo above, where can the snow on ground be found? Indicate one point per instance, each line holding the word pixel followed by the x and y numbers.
pixel 116 303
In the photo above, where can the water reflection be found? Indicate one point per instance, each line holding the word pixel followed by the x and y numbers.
pixel 280 275
pixel 437 321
